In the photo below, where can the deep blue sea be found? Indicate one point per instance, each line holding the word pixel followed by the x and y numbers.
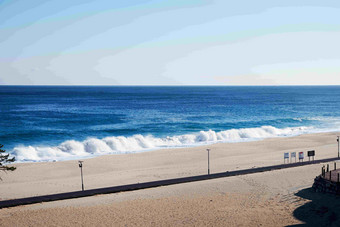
pixel 45 123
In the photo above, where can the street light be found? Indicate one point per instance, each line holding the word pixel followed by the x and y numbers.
pixel 338 147
pixel 208 162
pixel 81 174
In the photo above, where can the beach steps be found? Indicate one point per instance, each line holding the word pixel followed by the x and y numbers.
pixel 328 181
pixel 151 184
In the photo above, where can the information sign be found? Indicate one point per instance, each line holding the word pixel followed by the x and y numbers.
pixel 286 156
pixel 311 153
pixel 292 155
pixel 301 156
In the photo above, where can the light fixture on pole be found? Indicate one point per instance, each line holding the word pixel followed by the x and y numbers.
pixel 338 147
pixel 81 174
pixel 208 161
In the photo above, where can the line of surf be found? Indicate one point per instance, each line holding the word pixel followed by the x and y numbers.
pixel 91 147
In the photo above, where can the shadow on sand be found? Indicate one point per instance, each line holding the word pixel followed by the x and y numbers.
pixel 322 210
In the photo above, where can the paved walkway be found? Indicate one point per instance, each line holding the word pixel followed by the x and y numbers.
pixel 151 184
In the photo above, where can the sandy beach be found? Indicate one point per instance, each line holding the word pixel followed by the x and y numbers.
pixel 276 198
pixel 169 113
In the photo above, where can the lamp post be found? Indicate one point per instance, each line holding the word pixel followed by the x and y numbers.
pixel 208 161
pixel 81 174
pixel 338 147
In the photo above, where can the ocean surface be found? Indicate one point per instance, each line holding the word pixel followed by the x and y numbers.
pixel 46 123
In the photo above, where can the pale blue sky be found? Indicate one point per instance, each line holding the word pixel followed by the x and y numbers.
pixel 177 42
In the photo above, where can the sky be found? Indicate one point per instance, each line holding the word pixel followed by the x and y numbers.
pixel 169 42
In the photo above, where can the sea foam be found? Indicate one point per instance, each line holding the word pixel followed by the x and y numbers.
pixel 90 147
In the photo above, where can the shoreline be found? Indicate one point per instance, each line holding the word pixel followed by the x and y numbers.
pixel 113 145
pixel 281 197
pixel 185 146
pixel 114 170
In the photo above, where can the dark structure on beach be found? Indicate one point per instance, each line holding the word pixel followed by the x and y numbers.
pixel 328 181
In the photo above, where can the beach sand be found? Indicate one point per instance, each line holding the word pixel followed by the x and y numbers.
pixel 275 198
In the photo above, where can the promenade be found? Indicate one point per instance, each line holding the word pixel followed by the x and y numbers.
pixel 152 184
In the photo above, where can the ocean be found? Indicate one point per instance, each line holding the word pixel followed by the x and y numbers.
pixel 52 123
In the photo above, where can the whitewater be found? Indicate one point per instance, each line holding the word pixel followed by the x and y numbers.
pixel 55 123
pixel 121 145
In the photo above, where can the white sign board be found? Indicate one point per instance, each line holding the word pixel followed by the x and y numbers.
pixel 301 155
pixel 293 154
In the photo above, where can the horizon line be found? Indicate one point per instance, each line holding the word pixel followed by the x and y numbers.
pixel 160 85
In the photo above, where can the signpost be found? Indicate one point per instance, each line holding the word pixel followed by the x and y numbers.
pixel 301 156
pixel 292 155
pixel 286 156
pixel 311 154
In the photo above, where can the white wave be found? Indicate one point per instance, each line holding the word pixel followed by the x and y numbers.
pixel 72 149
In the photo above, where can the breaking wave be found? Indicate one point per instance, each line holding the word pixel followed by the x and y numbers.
pixel 72 149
